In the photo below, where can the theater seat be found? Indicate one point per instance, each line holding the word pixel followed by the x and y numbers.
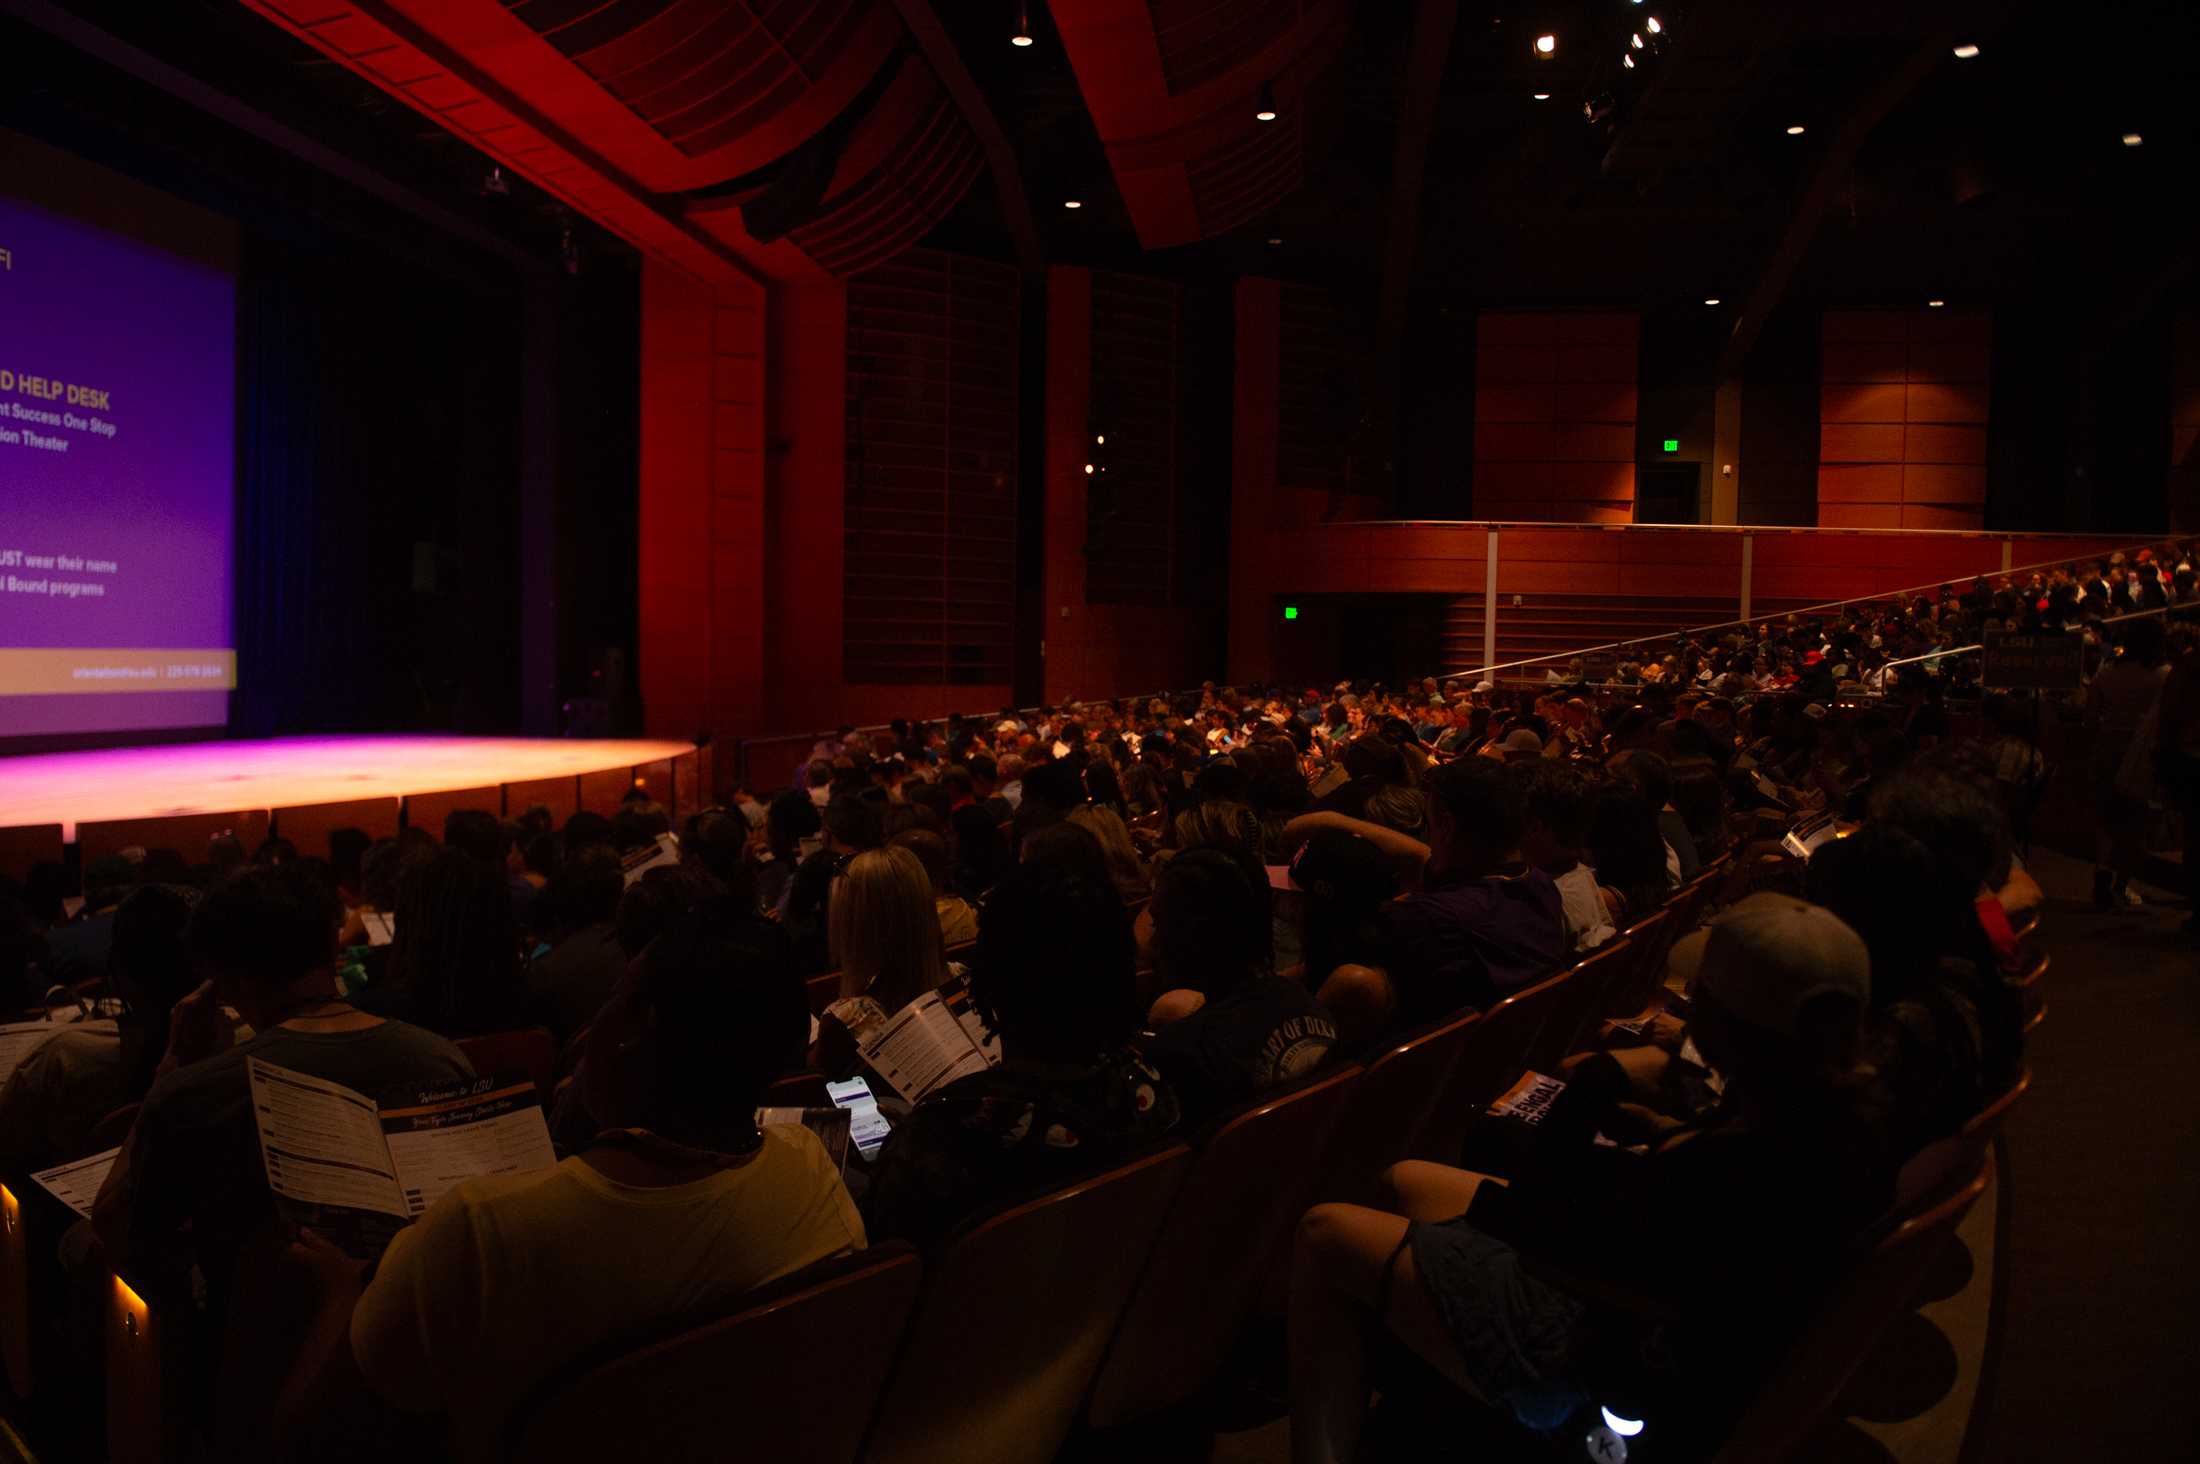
pixel 1582 1000
pixel 1247 1186
pixel 1649 940
pixel 530 1049
pixel 1495 1052
pixel 1016 1313
pixel 791 1374
pixel 1385 1109
pixel 1867 1298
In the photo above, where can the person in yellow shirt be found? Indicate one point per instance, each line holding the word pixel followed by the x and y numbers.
pixel 679 1206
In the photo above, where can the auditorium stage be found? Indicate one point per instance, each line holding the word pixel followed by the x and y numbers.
pixel 359 780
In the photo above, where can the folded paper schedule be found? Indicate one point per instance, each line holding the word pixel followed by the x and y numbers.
pixel 929 1043
pixel 358 1171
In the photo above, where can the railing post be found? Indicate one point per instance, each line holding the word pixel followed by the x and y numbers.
pixel 1749 554
pixel 1489 605
pixel 2008 547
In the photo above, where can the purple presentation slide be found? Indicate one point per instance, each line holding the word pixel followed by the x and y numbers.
pixel 117 443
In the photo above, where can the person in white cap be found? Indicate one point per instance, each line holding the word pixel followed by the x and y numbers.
pixel 1729 1226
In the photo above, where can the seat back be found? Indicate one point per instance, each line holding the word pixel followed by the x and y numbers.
pixel 1632 988
pixel 2032 991
pixel 1015 1315
pixel 1386 1108
pixel 791 1373
pixel 1581 1002
pixel 1495 1051
pixel 15 1293
pixel 529 1049
pixel 1247 1185
pixel 1985 1126
pixel 1859 1307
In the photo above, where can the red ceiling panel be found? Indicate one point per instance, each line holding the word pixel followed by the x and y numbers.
pixel 1171 85
pixel 622 107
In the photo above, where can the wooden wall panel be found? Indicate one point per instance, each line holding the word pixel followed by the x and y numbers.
pixel 1554 414
pixel 930 491
pixel 2184 423
pixel 1903 406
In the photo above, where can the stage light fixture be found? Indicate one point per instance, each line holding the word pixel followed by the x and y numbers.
pixel 1541 96
pixel 1546 44
pixel 1088 470
pixel 1265 109
pixel 2132 139
pixel 1711 299
pixel 1967 51
pixel 494 185
pixel 1073 203
pixel 1934 304
pixel 1023 27
pixel 1099 439
pixel 1628 62
pixel 1635 41
pixel 1650 24
pixel 1796 130
pixel 1625 1427
pixel 1275 239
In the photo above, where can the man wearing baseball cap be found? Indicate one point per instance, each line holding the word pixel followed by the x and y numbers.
pixel 1731 1225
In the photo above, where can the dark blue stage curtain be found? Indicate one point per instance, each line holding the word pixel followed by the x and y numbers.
pixel 377 421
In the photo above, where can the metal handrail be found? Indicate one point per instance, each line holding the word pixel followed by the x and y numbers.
pixel 1641 640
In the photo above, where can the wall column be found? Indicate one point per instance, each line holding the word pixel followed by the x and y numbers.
pixel 1253 497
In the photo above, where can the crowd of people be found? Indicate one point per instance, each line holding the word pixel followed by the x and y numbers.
pixel 1160 908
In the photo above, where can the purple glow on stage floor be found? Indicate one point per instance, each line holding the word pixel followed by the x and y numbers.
pixel 217 777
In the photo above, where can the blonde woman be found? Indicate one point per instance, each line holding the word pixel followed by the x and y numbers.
pixel 1125 868
pixel 883 930
pixel 885 937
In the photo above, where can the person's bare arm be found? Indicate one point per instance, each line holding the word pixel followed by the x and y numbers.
pixel 1408 853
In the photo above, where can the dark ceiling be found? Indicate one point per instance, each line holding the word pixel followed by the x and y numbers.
pixel 1917 173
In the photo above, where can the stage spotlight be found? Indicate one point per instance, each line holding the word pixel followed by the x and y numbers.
pixel 1265 109
pixel 1966 51
pixel 1542 96
pixel 1628 62
pixel 1088 470
pixel 1934 304
pixel 1023 27
pixel 1100 439
pixel 1635 40
pixel 1796 130
pixel 2132 139
pixel 1073 203
pixel 1650 24
pixel 1711 299
pixel 1546 44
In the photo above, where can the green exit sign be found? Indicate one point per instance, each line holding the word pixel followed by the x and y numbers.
pixel 1290 612
pixel 1672 444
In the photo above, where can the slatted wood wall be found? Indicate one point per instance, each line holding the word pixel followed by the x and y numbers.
pixel 1554 416
pixel 1902 419
pixel 930 531
pixel 1321 390
pixel 1130 500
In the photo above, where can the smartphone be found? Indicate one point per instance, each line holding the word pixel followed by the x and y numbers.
pixel 866 1125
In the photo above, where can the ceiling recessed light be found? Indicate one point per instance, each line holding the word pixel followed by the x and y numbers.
pixel 2132 139
pixel 1796 130
pixel 1546 44
pixel 1966 51
pixel 1711 299
pixel 1934 304
pixel 1023 27
pixel 1264 110
pixel 1072 203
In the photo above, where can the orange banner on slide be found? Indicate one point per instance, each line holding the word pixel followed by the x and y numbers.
pixel 60 671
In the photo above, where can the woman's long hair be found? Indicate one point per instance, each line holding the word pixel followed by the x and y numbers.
pixel 883 929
